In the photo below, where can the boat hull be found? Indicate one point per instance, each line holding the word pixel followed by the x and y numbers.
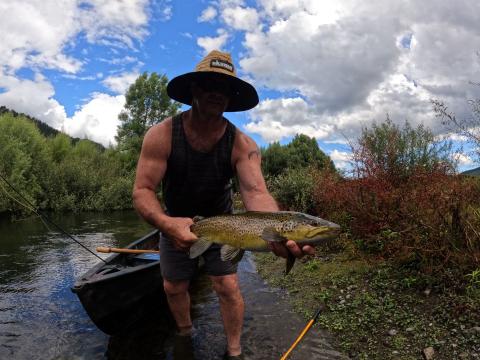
pixel 125 288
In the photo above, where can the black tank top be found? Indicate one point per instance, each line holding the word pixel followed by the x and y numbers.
pixel 198 183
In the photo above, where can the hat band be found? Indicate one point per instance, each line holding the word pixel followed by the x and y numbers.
pixel 221 64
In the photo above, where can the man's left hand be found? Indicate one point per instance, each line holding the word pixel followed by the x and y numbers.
pixel 282 249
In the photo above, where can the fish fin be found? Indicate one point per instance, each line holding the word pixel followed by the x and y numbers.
pixel 198 218
pixel 230 253
pixel 199 247
pixel 270 234
pixel 290 262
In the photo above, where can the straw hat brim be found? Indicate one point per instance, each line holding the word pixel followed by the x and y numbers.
pixel 244 96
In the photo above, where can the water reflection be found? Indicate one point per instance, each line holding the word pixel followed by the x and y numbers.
pixel 41 318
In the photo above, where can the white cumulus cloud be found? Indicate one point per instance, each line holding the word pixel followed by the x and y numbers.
pixel 97 120
pixel 353 62
pixel 208 14
pixel 40 35
pixel 241 18
pixel 121 83
pixel 33 97
pixel 208 43
pixel 341 159
pixel 276 119
pixel 463 160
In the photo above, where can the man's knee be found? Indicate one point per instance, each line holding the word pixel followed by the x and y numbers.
pixel 173 288
pixel 226 286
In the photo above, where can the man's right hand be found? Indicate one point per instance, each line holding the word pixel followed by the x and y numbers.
pixel 177 229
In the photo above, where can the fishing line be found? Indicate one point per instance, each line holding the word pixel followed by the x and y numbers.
pixel 303 333
pixel 5 191
pixel 15 199
pixel 32 208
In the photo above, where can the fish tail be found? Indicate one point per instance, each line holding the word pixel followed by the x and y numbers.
pixel 290 263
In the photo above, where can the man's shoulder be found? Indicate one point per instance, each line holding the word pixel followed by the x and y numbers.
pixel 244 147
pixel 242 140
pixel 163 128
pixel 158 138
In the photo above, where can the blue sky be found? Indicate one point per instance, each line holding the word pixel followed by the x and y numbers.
pixel 323 68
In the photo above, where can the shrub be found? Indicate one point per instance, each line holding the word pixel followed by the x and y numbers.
pixel 428 218
pixel 405 204
pixel 24 162
pixel 115 196
pixel 293 189
pixel 301 152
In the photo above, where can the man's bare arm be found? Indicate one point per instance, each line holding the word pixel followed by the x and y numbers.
pixel 253 190
pixel 151 169
pixel 247 161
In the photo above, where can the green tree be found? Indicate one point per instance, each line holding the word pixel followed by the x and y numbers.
pixel 55 173
pixel 59 147
pixel 301 152
pixel 24 161
pixel 274 159
pixel 147 104
pixel 304 152
pixel 294 189
pixel 392 152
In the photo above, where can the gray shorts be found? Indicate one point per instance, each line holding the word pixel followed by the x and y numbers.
pixel 177 265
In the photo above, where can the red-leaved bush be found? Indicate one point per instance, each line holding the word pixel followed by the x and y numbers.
pixel 430 217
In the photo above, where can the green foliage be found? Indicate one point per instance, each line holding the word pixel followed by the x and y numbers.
pixel 388 151
pixel 23 160
pixel 366 299
pixel 53 174
pixel 116 195
pixel 404 202
pixel 44 129
pixel 274 159
pixel 291 171
pixel 473 285
pixel 147 104
pixel 301 152
pixel 87 179
pixel 59 147
pixel 293 189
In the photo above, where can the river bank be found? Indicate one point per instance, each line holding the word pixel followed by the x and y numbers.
pixel 376 310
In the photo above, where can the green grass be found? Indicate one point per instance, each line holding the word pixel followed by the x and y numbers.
pixel 380 311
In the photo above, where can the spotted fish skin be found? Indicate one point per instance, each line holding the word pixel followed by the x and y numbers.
pixel 251 230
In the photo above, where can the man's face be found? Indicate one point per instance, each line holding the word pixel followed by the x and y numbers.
pixel 212 95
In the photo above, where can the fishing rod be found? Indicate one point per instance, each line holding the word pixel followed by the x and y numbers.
pixel 303 333
pixel 32 208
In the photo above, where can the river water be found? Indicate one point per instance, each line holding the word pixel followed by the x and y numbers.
pixel 40 318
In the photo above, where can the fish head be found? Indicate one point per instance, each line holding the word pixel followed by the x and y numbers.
pixel 304 228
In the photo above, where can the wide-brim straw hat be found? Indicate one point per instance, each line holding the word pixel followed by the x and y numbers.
pixel 244 96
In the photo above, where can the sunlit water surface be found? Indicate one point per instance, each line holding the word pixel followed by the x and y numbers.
pixel 40 318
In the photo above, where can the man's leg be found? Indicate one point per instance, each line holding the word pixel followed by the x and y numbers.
pixel 179 302
pixel 177 268
pixel 232 308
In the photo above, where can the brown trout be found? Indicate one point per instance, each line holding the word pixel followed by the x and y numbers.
pixel 253 229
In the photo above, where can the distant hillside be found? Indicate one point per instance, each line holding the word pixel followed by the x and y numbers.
pixel 472 172
pixel 45 129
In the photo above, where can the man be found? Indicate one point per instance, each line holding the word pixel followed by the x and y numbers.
pixel 195 155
